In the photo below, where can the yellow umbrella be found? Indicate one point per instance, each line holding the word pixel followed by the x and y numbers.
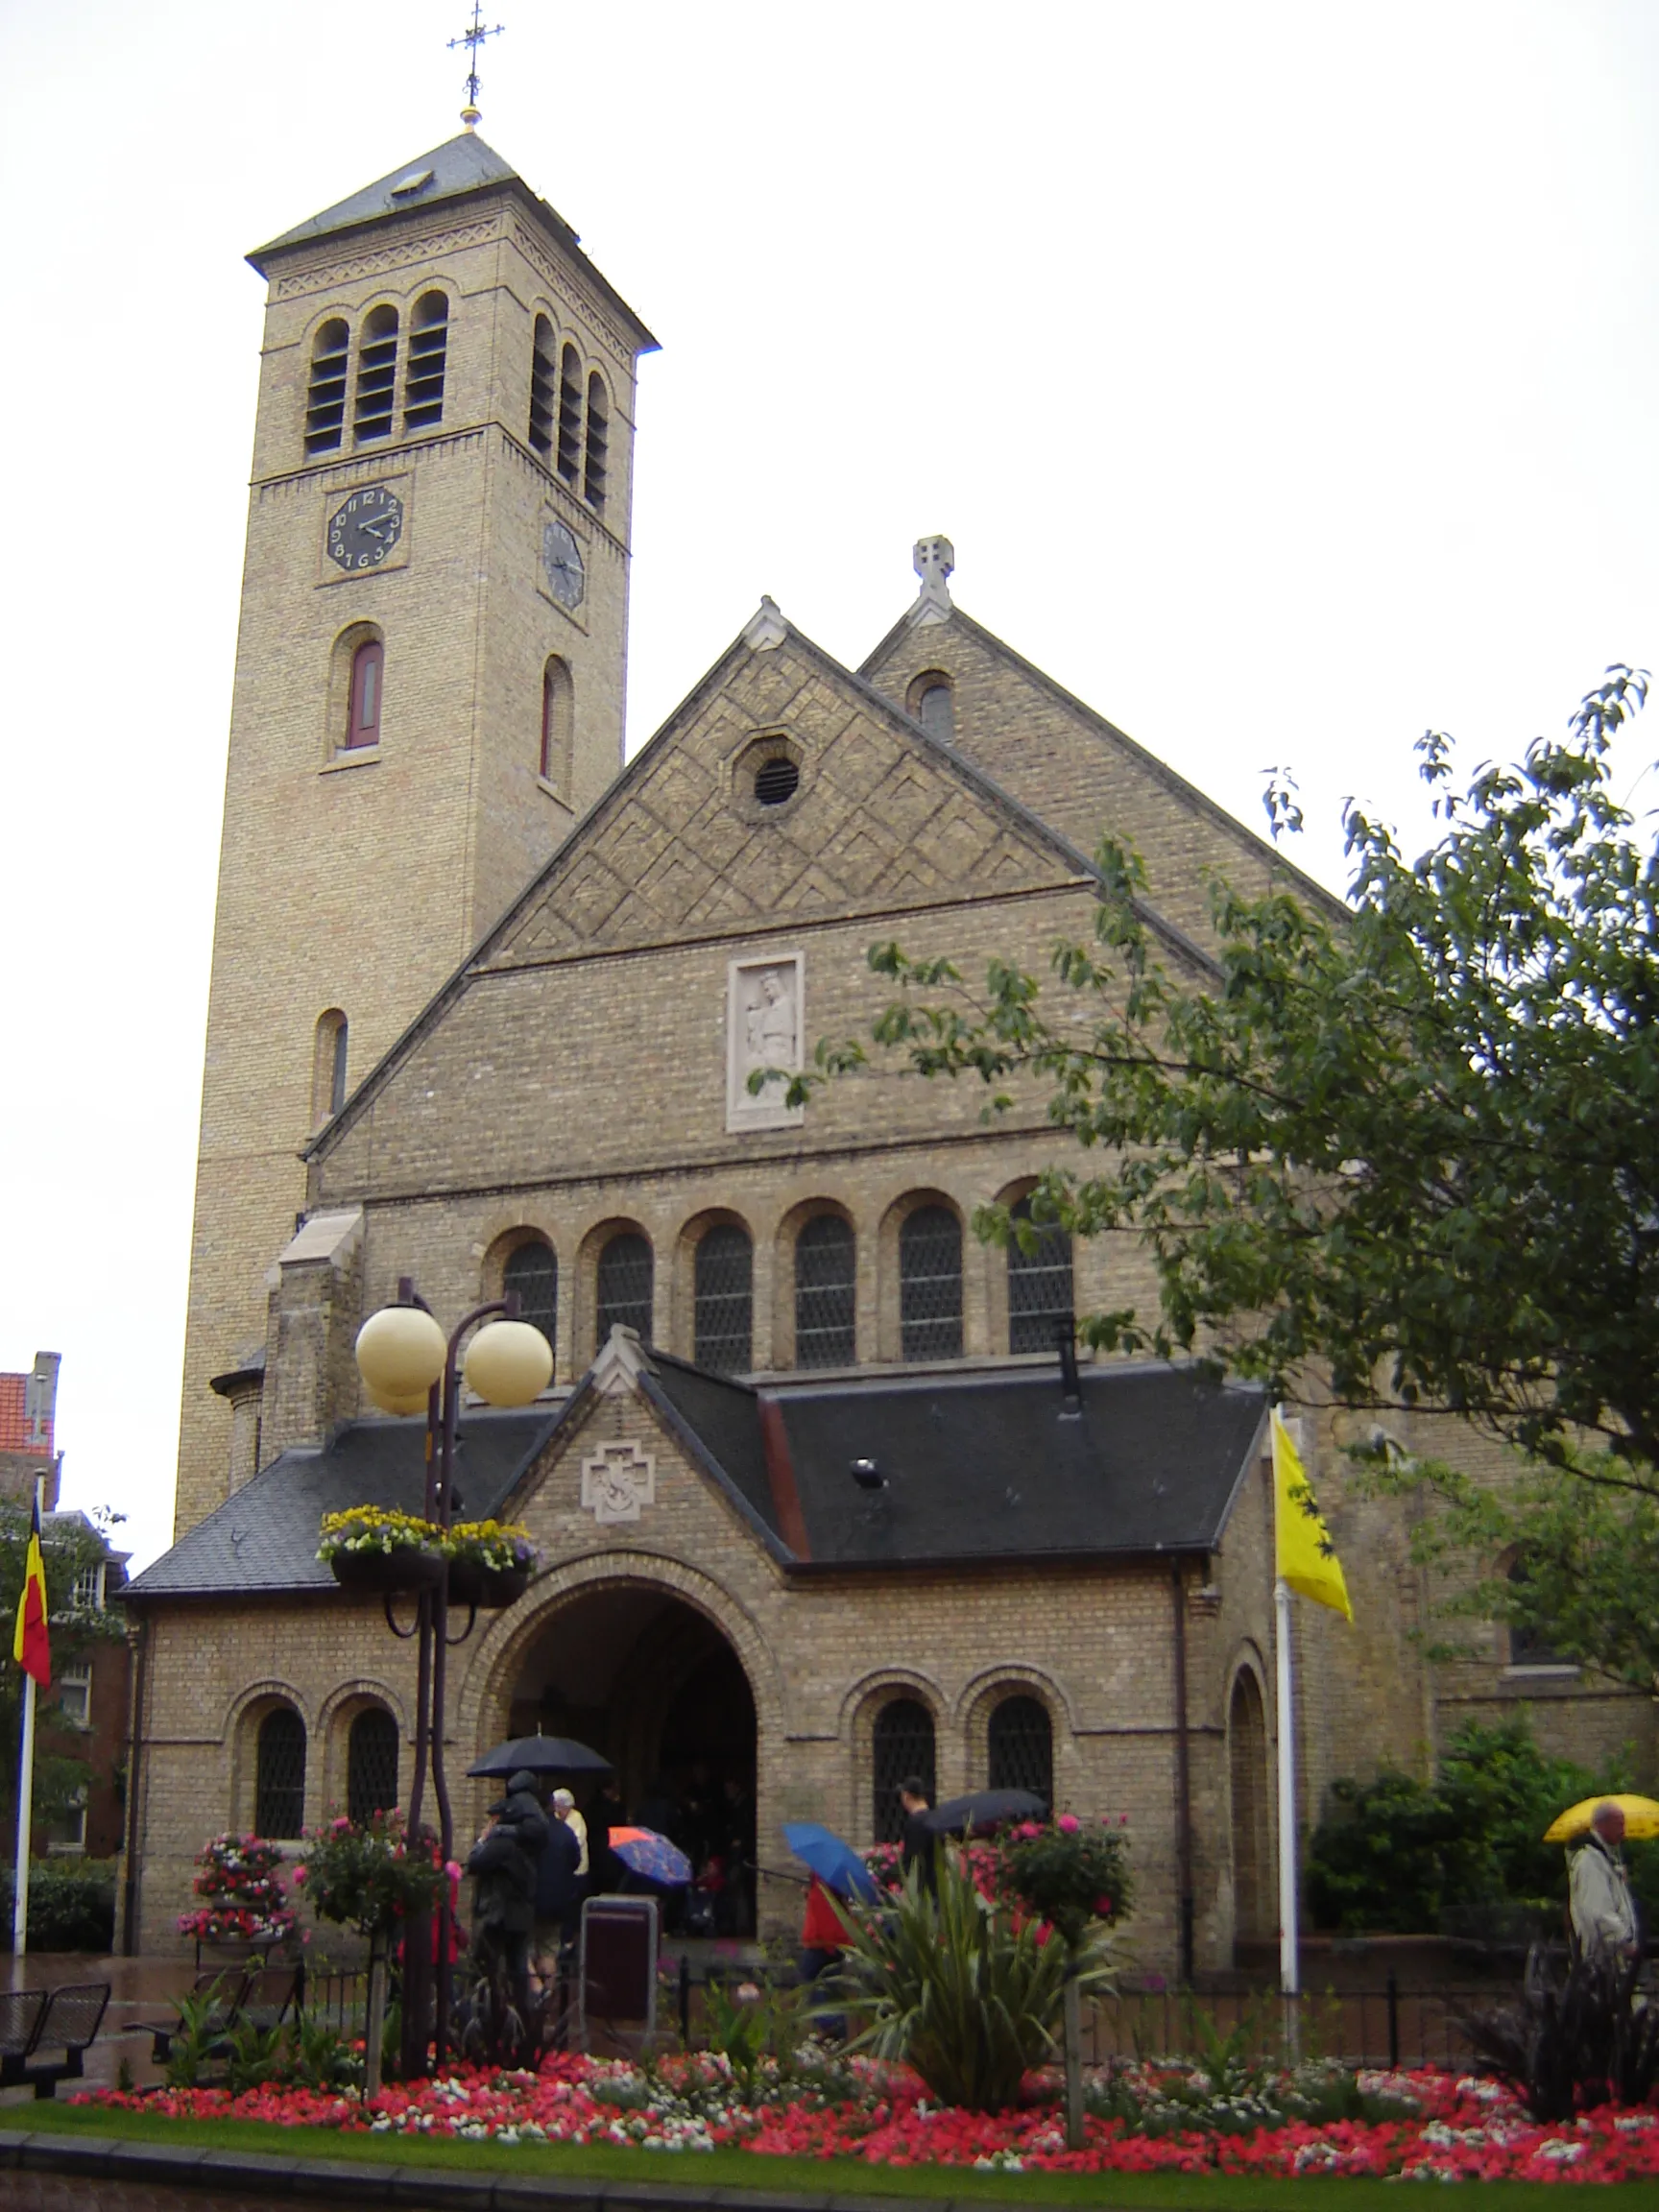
pixel 1641 1818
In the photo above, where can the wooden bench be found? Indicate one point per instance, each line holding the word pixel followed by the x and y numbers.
pixel 38 2023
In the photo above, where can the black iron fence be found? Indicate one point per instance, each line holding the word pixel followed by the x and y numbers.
pixel 1390 2025
pixel 338 1996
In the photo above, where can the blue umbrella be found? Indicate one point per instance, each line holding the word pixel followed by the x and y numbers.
pixel 652 1856
pixel 837 1865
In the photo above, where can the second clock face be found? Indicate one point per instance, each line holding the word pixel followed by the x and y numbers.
pixel 365 528
pixel 562 557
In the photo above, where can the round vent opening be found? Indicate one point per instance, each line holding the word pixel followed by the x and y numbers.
pixel 776 780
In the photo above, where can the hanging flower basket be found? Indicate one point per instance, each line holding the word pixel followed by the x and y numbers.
pixel 378 1573
pixel 378 1552
pixel 491 1563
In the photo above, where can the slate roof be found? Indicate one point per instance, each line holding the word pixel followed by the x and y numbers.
pixel 461 164
pixel 264 1539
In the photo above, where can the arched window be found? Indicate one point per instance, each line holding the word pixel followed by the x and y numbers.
pixel 429 358
pixel 825 1278
pixel 598 440
pixel 931 1285
pixel 1020 1747
pixel 1038 1283
pixel 625 1283
pixel 1252 1849
pixel 934 709
pixel 544 398
pixel 569 458
pixel 376 376
pixel 533 1271
pixel 723 1300
pixel 329 1068
pixel 557 724
pixel 279 1789
pixel 325 395
pixel 371 1763
pixel 903 1748
pixel 368 674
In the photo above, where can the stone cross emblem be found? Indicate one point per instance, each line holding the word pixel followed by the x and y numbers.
pixel 933 559
pixel 617 1481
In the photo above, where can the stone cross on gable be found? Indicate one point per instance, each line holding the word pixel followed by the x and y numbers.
pixel 933 559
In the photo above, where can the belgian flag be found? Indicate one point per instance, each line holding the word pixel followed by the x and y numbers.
pixel 31 1645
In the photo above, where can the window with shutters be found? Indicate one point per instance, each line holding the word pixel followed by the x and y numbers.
pixel 376 376
pixel 543 390
pixel 1020 1747
pixel 596 459
pixel 326 394
pixel 723 1300
pixel 825 1273
pixel 1040 1293
pixel 625 1280
pixel 901 1747
pixel 279 1786
pixel 371 1763
pixel 568 457
pixel 533 1272
pixel 429 359
pixel 931 1285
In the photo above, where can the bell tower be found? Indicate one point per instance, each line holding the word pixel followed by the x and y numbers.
pixel 429 673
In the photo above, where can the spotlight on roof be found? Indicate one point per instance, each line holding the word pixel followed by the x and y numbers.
pixel 868 1476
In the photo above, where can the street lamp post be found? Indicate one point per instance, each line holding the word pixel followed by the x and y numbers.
pixel 408 1366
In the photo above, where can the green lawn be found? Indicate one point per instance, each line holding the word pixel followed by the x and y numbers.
pixel 845 2176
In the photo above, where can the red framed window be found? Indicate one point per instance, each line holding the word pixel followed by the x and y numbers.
pixel 368 681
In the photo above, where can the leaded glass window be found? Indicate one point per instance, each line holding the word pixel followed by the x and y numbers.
pixel 1038 1285
pixel 1021 1747
pixel 371 1763
pixel 626 1273
pixel 904 1746
pixel 825 1259
pixel 533 1271
pixel 280 1792
pixel 931 1285
pixel 723 1301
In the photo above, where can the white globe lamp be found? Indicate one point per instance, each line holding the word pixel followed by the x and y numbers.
pixel 508 1364
pixel 400 1356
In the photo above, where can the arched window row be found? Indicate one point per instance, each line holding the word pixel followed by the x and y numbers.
pixel 569 424
pixel 903 1748
pixel 368 385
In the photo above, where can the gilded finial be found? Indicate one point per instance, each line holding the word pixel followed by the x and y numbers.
pixel 472 39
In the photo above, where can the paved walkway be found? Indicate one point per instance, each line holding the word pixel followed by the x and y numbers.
pixel 139 1990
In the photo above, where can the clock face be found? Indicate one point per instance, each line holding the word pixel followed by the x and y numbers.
pixel 363 531
pixel 562 557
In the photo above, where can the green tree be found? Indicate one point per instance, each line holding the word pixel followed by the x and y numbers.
pixel 69 1549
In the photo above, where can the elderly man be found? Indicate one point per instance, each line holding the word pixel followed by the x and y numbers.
pixel 1603 1911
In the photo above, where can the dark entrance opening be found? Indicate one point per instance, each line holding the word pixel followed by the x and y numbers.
pixel 654 1685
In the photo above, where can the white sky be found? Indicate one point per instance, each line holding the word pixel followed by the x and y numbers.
pixel 1284 375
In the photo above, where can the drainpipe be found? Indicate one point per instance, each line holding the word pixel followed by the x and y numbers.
pixel 134 1755
pixel 1182 1775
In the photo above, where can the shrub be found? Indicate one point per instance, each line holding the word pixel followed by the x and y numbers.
pixel 1586 2039
pixel 363 1874
pixel 71 1903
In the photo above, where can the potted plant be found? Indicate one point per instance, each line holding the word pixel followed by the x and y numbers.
pixel 244 1910
pixel 375 1548
pixel 491 1563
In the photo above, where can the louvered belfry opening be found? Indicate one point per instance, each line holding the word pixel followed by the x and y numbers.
pixel 902 1747
pixel 325 395
pixel 1039 1290
pixel 533 1272
pixel 568 460
pixel 543 390
pixel 931 1285
pixel 723 1300
pixel 280 1788
pixel 1020 1748
pixel 625 1277
pixel 826 1264
pixel 428 360
pixel 371 1763
pixel 598 442
pixel 376 376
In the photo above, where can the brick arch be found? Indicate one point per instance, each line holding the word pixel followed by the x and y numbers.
pixel 334 1719
pixel 243 1718
pixel 1249 1796
pixel 987 1688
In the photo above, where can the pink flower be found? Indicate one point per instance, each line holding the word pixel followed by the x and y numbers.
pixel 1067 1823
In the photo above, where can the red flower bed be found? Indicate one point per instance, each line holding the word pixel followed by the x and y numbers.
pixel 1458 2129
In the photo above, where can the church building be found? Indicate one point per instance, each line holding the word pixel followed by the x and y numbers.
pixel 821 1495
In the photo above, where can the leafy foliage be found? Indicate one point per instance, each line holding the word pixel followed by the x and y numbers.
pixel 71 1903
pixel 70 1549
pixel 364 1874
pixel 1577 2041
pixel 1416 1142
pixel 1073 1874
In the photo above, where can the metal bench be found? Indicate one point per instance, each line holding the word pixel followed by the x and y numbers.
pixel 260 1997
pixel 65 2020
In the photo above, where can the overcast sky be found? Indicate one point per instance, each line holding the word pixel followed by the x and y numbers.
pixel 1284 375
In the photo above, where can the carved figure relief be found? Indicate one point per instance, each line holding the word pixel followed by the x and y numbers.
pixel 763 1017
pixel 618 1481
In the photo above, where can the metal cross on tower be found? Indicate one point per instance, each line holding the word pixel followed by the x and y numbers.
pixel 472 39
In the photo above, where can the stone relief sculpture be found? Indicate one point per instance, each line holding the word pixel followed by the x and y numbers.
pixel 764 1029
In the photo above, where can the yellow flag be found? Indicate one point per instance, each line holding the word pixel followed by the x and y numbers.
pixel 1307 1560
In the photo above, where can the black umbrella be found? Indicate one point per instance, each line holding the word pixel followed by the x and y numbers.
pixel 542 1755
pixel 983 1808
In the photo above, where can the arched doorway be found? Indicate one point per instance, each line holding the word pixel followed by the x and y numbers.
pixel 653 1684
pixel 1247 1749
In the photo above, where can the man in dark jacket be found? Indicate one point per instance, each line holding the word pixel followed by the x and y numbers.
pixel 503 1865
pixel 920 1845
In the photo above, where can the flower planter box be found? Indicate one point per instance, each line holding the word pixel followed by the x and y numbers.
pixel 407 1566
pixel 492 1589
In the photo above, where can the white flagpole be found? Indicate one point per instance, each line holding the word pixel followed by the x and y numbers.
pixel 1290 1960
pixel 25 1792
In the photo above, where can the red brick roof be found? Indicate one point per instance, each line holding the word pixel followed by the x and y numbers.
pixel 14 1433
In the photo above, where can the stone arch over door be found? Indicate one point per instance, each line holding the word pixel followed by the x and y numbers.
pixel 1253 1911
